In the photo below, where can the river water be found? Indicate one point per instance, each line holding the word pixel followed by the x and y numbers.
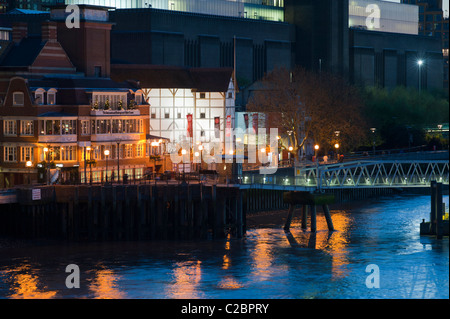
pixel 376 243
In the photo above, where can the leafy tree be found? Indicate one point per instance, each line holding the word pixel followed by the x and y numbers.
pixel 305 105
pixel 401 114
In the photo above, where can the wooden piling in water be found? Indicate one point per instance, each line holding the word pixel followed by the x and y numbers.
pixel 312 200
pixel 326 211
pixel 313 218
pixel 291 210
pixel 304 216
pixel 127 212
pixel 439 213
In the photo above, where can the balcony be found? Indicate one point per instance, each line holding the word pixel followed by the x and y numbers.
pixel 133 112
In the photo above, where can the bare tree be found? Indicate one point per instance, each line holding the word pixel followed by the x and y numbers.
pixel 304 105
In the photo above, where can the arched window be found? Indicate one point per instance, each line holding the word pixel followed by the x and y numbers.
pixel 39 96
pixel 138 97
pixel 51 96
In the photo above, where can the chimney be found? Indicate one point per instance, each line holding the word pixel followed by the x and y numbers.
pixel 49 31
pixel 19 31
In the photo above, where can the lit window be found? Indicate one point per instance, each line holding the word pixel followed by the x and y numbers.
pixel 140 150
pixel 39 96
pixel 138 97
pixel 85 127
pixel 10 127
pixel 10 154
pixel 51 97
pixel 26 153
pixel 27 128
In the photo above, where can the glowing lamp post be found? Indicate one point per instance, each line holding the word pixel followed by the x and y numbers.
pixel 319 178
pixel 46 165
pixel 420 63
pixel 373 130
pixel 29 164
pixel 106 152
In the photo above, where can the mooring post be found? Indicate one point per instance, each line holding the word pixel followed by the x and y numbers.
pixel 433 208
pixel 287 225
pixel 313 218
pixel 439 222
pixel 239 215
pixel 327 214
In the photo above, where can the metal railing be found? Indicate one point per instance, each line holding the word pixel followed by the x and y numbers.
pixel 369 174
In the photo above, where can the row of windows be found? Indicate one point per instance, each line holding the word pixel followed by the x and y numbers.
pixel 10 153
pixel 165 113
pixel 112 126
pixel 26 128
pixel 69 127
pixel 58 127
pixel 42 97
pixel 69 153
pixel 99 101
pixel 114 101
pixel 100 175
pixel 124 151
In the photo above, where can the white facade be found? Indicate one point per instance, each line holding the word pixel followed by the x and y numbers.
pixel 272 10
pixel 383 16
pixel 169 109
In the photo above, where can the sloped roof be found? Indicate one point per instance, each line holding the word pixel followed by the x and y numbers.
pixel 154 76
pixel 26 11
pixel 24 53
pixel 73 90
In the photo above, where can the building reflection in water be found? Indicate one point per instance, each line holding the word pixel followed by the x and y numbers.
pixel 228 281
pixel 333 244
pixel 27 285
pixel 186 280
pixel 104 284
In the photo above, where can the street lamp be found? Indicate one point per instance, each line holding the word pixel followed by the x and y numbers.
pixel 154 144
pixel 106 152
pixel 29 164
pixel 373 130
pixel 420 63
pixel 85 163
pixel 46 165
pixel 316 148
pixel 183 152
pixel 200 148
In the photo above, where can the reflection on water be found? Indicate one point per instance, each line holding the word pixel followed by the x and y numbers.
pixel 267 263
pixel 187 276
pixel 26 284
pixel 104 284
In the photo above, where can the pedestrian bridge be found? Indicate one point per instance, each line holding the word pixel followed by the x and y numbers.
pixel 354 174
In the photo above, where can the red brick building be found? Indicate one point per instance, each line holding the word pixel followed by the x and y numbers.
pixel 61 116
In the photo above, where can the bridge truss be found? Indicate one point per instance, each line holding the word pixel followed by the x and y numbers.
pixel 361 174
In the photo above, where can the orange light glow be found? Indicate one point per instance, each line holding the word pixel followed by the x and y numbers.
pixel 104 285
pixel 27 285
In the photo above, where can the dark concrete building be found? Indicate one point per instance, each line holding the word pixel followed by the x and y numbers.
pixel 152 36
pixel 388 60
pixel 314 34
